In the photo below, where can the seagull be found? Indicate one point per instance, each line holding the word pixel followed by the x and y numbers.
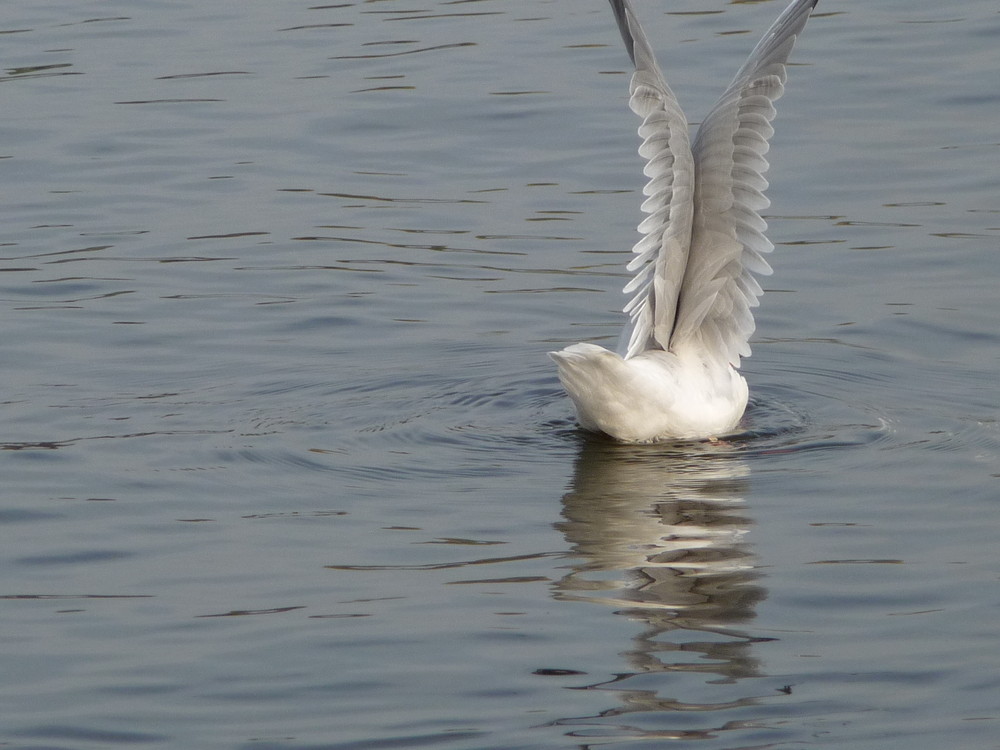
pixel 676 376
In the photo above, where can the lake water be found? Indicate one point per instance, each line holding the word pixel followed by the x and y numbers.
pixel 284 462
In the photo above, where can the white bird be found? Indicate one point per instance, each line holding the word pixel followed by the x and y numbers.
pixel 690 317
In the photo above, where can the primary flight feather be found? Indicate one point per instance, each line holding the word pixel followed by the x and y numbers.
pixel 703 240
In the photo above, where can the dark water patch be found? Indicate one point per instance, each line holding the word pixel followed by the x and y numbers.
pixel 298 515
pixel 83 557
pixel 449 565
pixel 55 444
pixel 46 597
pixel 90 735
pixel 399 742
pixel 251 612
pixel 24 515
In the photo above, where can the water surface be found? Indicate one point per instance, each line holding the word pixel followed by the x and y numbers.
pixel 285 464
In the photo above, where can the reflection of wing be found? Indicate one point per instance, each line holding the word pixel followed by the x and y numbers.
pixel 728 241
pixel 662 253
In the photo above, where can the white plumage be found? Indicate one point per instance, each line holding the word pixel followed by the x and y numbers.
pixel 703 241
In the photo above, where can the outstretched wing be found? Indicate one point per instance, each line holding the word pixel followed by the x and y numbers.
pixel 728 242
pixel 662 254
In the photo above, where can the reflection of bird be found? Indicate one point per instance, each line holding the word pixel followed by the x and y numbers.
pixel 663 530
pixel 703 239
pixel 658 532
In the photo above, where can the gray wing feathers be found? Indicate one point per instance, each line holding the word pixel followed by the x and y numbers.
pixel 728 243
pixel 662 254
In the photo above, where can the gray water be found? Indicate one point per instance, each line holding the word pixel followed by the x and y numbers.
pixel 285 464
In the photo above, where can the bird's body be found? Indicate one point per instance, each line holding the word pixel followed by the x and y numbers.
pixel 654 395
pixel 690 317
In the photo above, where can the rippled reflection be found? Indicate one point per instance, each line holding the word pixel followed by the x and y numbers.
pixel 658 532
